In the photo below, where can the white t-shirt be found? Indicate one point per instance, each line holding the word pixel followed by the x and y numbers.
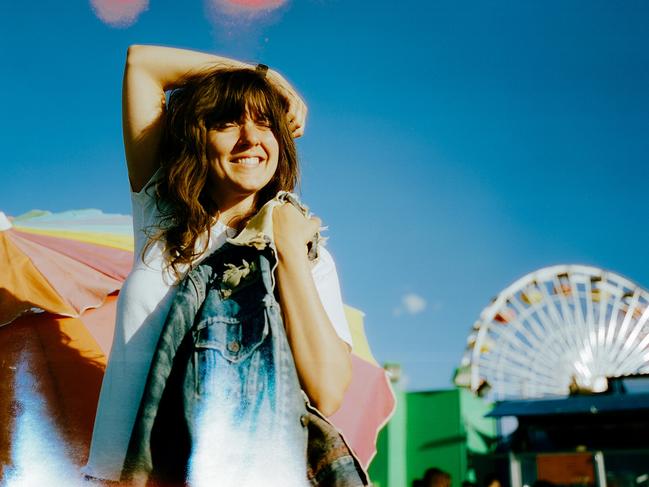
pixel 142 307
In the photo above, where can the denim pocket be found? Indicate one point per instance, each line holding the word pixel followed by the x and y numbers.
pixel 232 333
pixel 232 357
pixel 234 338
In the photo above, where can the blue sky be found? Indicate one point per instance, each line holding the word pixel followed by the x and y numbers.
pixel 451 147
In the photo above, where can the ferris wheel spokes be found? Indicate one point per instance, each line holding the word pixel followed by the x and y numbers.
pixel 556 329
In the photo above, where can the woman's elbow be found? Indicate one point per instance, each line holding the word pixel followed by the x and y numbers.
pixel 133 52
pixel 332 395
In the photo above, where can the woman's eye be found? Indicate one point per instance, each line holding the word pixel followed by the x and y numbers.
pixel 226 125
pixel 264 124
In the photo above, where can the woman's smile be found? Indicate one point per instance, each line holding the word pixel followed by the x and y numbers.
pixel 247 161
pixel 243 157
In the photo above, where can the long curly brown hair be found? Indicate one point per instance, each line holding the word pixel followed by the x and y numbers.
pixel 200 102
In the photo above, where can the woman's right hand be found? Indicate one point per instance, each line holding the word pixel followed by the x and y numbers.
pixel 297 109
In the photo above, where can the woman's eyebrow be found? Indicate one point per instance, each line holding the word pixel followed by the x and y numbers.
pixel 261 117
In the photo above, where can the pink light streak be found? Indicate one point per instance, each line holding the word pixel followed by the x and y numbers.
pixel 257 4
pixel 249 8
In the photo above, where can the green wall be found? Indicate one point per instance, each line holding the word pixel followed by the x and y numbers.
pixel 435 437
pixel 441 428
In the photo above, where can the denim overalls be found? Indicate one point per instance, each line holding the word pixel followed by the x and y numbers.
pixel 223 405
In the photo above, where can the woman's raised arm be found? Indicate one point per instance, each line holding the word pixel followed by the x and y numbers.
pixel 148 73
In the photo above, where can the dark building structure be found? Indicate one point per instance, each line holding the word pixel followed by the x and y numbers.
pixel 599 440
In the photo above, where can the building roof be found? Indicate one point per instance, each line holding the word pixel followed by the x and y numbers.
pixel 624 394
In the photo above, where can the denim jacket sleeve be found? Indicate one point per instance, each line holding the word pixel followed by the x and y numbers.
pixel 187 301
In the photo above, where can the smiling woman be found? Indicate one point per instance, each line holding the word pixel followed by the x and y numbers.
pixel 214 162
pixel 215 119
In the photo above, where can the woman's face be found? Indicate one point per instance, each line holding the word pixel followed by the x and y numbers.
pixel 243 156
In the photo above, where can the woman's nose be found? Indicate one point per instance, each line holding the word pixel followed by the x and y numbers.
pixel 249 133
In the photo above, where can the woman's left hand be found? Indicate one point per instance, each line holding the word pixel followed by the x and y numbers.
pixel 292 230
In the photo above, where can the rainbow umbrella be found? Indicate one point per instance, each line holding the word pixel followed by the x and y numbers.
pixel 62 263
pixel 70 262
pixel 59 274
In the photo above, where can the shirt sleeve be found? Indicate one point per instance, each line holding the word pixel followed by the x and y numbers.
pixel 144 210
pixel 328 286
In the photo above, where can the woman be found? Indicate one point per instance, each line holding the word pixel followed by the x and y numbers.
pixel 198 170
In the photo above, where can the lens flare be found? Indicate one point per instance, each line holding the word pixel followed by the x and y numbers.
pixel 119 13
pixel 228 455
pixel 39 455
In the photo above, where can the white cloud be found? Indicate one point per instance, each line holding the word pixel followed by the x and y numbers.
pixel 411 304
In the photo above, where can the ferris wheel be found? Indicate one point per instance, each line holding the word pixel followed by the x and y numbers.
pixel 558 330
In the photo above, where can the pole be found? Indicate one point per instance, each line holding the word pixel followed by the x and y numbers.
pixel 397 465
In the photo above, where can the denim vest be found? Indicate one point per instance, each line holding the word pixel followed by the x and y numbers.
pixel 223 404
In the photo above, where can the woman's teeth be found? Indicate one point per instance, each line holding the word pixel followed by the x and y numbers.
pixel 248 161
